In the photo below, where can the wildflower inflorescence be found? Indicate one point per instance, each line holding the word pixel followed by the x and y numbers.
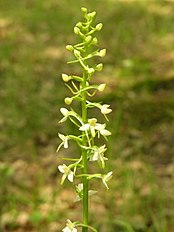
pixel 89 129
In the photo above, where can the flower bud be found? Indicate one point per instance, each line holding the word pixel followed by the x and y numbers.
pixel 92 14
pixel 69 48
pixel 102 52
pixel 101 87
pixel 99 26
pixel 76 30
pixel 79 24
pixel 68 100
pixel 88 38
pixel 91 70
pixel 99 67
pixel 94 41
pixel 65 77
pixel 76 53
pixel 84 10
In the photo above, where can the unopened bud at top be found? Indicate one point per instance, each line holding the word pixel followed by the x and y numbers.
pixel 94 41
pixel 99 67
pixel 99 26
pixel 88 38
pixel 76 53
pixel 79 24
pixel 69 48
pixel 68 100
pixel 91 70
pixel 76 30
pixel 84 10
pixel 102 52
pixel 65 77
pixel 92 14
pixel 101 87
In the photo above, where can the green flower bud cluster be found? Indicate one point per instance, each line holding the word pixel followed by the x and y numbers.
pixel 89 129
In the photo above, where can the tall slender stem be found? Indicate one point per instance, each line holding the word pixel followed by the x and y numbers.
pixel 84 158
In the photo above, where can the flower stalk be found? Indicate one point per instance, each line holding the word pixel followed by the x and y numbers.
pixel 84 155
pixel 90 130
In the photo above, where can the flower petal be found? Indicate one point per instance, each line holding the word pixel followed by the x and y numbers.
pixel 66 143
pixel 61 136
pixel 64 111
pixel 105 132
pixel 61 168
pixel 80 187
pixel 71 176
pixel 66 229
pixel 85 127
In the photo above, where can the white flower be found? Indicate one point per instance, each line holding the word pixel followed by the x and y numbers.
pixel 98 154
pixel 106 178
pixel 64 141
pixel 102 130
pixel 89 126
pixel 79 190
pixel 70 227
pixel 105 110
pixel 67 173
pixel 93 126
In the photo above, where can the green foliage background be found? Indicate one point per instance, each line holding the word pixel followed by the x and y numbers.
pixel 139 73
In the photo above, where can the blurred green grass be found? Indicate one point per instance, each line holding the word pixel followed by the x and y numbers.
pixel 139 72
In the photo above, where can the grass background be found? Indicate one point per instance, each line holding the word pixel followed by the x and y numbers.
pixel 139 74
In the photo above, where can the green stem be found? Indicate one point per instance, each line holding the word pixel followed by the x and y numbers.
pixel 84 158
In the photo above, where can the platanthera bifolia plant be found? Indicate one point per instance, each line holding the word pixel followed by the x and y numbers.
pixel 89 130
